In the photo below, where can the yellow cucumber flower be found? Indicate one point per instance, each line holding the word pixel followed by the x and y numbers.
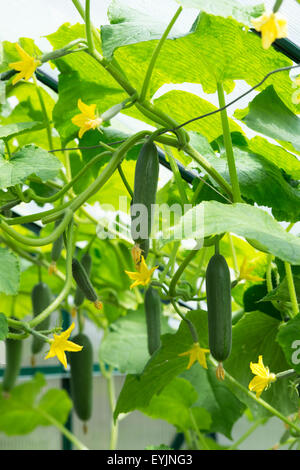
pixel 245 272
pixel 272 26
pixel 87 119
pixel 26 66
pixel 263 377
pixel 143 275
pixel 60 344
pixel 196 353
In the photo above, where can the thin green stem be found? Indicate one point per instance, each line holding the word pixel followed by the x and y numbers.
pixel 249 431
pixel 69 435
pixel 277 5
pixel 38 241
pixel 177 176
pixel 45 114
pixel 7 148
pixel 228 146
pixel 178 273
pixel 291 288
pixel 124 179
pixel 88 29
pixel 200 436
pixel 259 400
pixel 190 325
pixel 156 54
pixel 67 286
pixel 210 170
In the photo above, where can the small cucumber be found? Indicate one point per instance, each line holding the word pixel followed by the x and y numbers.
pixel 86 262
pixel 81 370
pixel 56 250
pixel 144 192
pixel 153 312
pixel 83 282
pixel 218 296
pixel 41 298
pixel 13 350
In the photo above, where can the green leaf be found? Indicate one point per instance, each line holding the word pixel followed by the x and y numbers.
pixel 30 160
pixel 124 347
pixel 277 155
pixel 130 25
pixel 260 180
pixel 9 272
pixel 175 404
pixel 269 115
pixel 18 128
pixel 254 335
pixel 227 8
pixel 289 339
pixel 252 223
pixel 163 366
pixel 3 326
pixel 213 395
pixel 281 292
pixel 19 413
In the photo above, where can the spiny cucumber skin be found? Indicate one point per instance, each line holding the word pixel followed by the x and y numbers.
pixel 13 351
pixel 81 370
pixel 153 313
pixel 145 187
pixel 218 296
pixel 41 298
pixel 83 281
pixel 86 262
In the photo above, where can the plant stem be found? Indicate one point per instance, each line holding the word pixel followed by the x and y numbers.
pixel 177 176
pixel 277 5
pixel 246 434
pixel 178 273
pixel 228 146
pixel 198 433
pixel 192 329
pixel 259 401
pixel 291 288
pixel 45 114
pixel 88 30
pixel 124 179
pixel 209 169
pixel 156 54
pixel 69 435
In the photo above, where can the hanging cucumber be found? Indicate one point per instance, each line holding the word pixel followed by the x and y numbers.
pixel 153 312
pixel 41 298
pixel 83 282
pixel 144 193
pixel 86 262
pixel 13 351
pixel 81 370
pixel 218 296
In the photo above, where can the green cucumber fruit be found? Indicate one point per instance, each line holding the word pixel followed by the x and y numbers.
pixel 81 374
pixel 41 298
pixel 144 192
pixel 13 350
pixel 83 281
pixel 153 312
pixel 218 296
pixel 86 262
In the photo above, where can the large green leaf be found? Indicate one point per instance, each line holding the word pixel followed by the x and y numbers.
pixel 241 11
pixel 176 403
pixel 289 339
pixel 260 180
pixel 9 272
pixel 30 160
pixel 125 345
pixel 163 366
pixel 136 21
pixel 255 334
pixel 269 115
pixel 15 129
pixel 24 409
pixel 252 223
pixel 224 407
